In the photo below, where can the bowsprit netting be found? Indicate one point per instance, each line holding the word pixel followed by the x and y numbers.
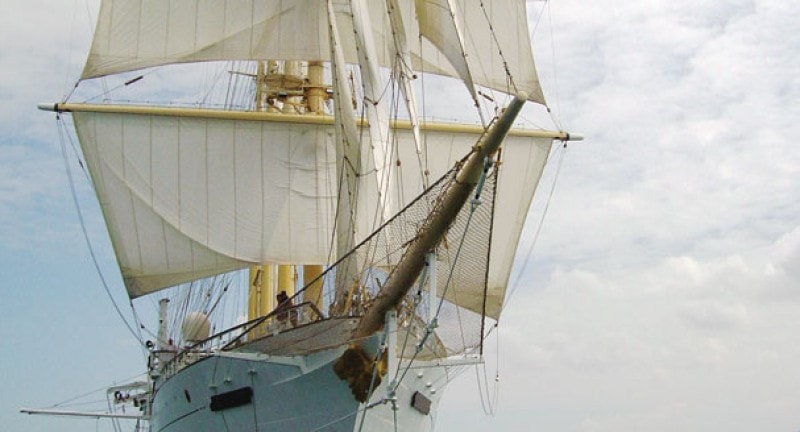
pixel 462 259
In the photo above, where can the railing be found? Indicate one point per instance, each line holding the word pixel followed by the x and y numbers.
pixel 165 363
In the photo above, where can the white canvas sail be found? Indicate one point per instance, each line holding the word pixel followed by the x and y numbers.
pixel 439 23
pixel 403 72
pixel 349 149
pixel 375 105
pixel 173 188
pixel 135 34
pixel 523 160
pixel 185 198
pixel 189 197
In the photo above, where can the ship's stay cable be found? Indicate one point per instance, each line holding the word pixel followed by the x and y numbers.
pixel 497 370
pixel 139 328
pixel 415 304
pixel 555 116
pixel 106 90
pixel 374 375
pixel 61 133
pixel 146 330
pixel 394 150
pixel 424 121
pixel 83 395
pixel 562 150
pixel 71 54
pixel 510 85
pixel 473 89
pixel 377 217
pixel 499 51
pixel 429 329
pixel 83 403
pixel 337 209
pixel 489 401
pixel 399 69
pixel 391 162
pixel 76 153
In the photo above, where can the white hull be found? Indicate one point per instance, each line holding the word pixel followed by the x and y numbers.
pixel 289 393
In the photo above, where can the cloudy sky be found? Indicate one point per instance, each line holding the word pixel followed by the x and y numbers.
pixel 662 293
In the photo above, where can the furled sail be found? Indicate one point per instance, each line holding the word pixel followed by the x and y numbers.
pixel 349 164
pixel 375 104
pixel 135 34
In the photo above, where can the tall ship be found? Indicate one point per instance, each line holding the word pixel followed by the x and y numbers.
pixel 373 244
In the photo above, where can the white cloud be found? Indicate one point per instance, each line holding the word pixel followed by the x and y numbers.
pixel 40 59
pixel 666 346
pixel 710 315
pixel 688 135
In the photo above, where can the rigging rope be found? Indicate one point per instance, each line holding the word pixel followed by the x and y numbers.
pixel 429 329
pixel 553 116
pixel 378 357
pixel 489 402
pixel 61 133
pixel 426 170
pixel 82 395
pixel 529 252
pixel 499 51
pixel 126 83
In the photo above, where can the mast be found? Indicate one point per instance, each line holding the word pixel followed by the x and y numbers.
pixel 315 90
pixel 272 85
pixel 313 291
pixel 316 94
pixel 286 279
pixel 261 298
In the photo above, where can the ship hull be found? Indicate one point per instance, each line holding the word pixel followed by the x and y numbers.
pixel 245 391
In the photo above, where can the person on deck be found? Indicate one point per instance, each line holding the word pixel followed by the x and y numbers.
pixel 283 309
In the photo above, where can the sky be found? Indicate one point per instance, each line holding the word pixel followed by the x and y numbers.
pixel 661 293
